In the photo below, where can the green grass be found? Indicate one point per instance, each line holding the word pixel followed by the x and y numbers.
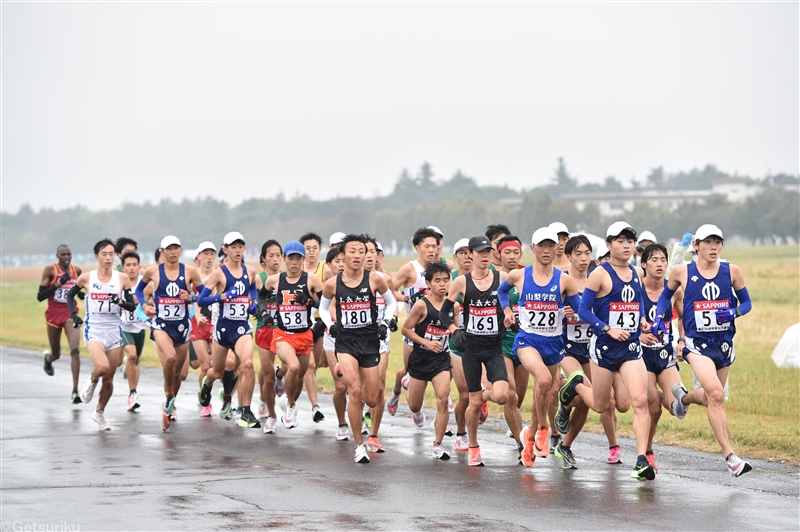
pixel 764 406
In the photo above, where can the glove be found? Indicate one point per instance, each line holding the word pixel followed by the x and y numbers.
pixel 393 324
pixel 64 279
pixel 459 340
pixel 253 310
pixel 269 319
pixel 318 329
pixel 205 311
pixel 383 331
pixel 76 321
pixel 333 330
pixel 233 292
pixel 687 239
pixel 515 326
pixel 114 299
pixel 726 315
pixel 81 295
pixel 659 328
pixel 301 298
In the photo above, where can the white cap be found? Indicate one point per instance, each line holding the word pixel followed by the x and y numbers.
pixel 558 227
pixel 617 228
pixel 601 251
pixel 707 230
pixel 169 240
pixel 232 237
pixel 647 235
pixel 379 247
pixel 436 230
pixel 544 233
pixel 336 238
pixel 204 246
pixel 461 244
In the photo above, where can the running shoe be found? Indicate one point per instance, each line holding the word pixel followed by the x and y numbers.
pixel 404 382
pixel 133 401
pixel 338 370
pixel 614 455
pixel 165 420
pixel 520 448
pixel 205 411
pixel 737 466
pixel 568 392
pixel 226 412
pixel 567 458
pixel 555 439
pixel 541 447
pixel 248 421
pixel 527 455
pixel 391 404
pixel 461 443
pixel 88 391
pixel 367 419
pixel 283 404
pixel 204 395
pixel 293 415
pixel 75 399
pixel 100 419
pixel 262 409
pixel 169 406
pixel 450 406
pixel 289 418
pixel 270 425
pixel 237 414
pixel 447 431
pixel 221 394
pixel 364 430
pixel 280 387
pixel 643 471
pixel 562 419
pixel 174 415
pixel 48 366
pixel 678 408
pixel 418 418
pixel 125 367
pixel 475 459
pixel 651 459
pixel 484 415
pixel 361 456
pixel 439 452
pixel 317 414
pixel 374 445
pixel 343 433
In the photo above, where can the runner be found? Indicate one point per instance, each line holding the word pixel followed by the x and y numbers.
pixel 202 329
pixel 312 265
pixel 334 263
pixel 539 345
pixel 172 297
pixel 430 359
pixel 125 245
pixel 235 286
pixel 134 332
pixel 297 295
pixel 357 330
pixel 270 259
pixel 711 291
pixel 57 279
pixel 561 261
pixel 613 296
pixel 463 259
pixel 494 233
pixel 334 241
pixel 481 340
pixel 107 291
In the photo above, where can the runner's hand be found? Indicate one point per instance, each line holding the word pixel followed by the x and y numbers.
pixel 459 340
pixel 725 315
pixel 76 321
pixel 64 279
pixel 333 330
pixel 393 324
pixel 383 331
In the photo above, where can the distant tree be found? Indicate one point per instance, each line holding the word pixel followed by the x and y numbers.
pixel 656 177
pixel 425 176
pixel 562 179
pixel 611 184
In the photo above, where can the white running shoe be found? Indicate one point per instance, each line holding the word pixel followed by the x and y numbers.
pixel 282 403
pixel 361 456
pixel 262 409
pixel 461 443
pixel 391 404
pixel 404 382
pixel 678 408
pixel 737 466
pixel 343 434
pixel 270 425
pixel 450 406
pixel 293 415
pixel 100 420
pixel 440 453
pixel 88 391
pixel 418 418
pixel 133 401
pixel 280 386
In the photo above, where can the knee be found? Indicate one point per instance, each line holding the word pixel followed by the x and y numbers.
pixel 293 366
pixel 441 403
pixel 103 369
pixel 639 404
pixel 247 366
pixel 511 398
pixel 544 383
pixel 716 397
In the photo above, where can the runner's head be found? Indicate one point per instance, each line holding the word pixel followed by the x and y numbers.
pixel 437 277
pixel 313 244
pixel 123 245
pixel 130 264
pixel 494 233
pixel 621 240
pixel 372 253
pixel 158 255
pixel 205 254
pixel 462 255
pixel 355 251
pixel 544 244
pixel 104 252
pixel 171 249
pixel 645 239
pixel 271 255
pixel 335 260
pixel 579 252
pixel 708 241
pixel 426 241
pixel 379 256
pixel 295 255
pixel 441 239
pixel 64 256
pixel 563 236
pixel 510 249
pixel 336 239
pixel 234 245
pixel 480 249
pixel 654 261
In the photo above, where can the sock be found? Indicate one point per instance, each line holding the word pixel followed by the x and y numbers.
pixel 649 452
pixel 641 458
pixel 227 382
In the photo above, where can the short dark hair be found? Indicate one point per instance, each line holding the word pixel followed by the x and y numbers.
pixel 371 239
pixel 435 267
pixel 131 255
pixel 310 236
pixel 123 241
pixel 333 253
pixel 268 244
pixel 492 231
pixel 576 241
pixel 103 243
pixel 649 251
pixel 157 254
pixel 353 238
pixel 425 232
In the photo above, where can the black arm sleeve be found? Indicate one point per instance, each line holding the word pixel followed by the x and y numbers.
pixel 446 314
pixel 71 299
pixel 127 301
pixel 46 291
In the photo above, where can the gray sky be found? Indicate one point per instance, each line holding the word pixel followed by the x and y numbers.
pixel 105 103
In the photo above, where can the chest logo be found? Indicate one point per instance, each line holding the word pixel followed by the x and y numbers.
pixel 710 291
pixel 240 287
pixel 628 293
pixel 173 290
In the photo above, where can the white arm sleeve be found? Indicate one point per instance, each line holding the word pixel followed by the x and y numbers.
pixel 678 253
pixel 391 305
pixel 325 311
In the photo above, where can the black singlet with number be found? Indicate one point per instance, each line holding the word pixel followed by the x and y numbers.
pixel 482 314
pixel 431 328
pixel 356 308
pixel 293 317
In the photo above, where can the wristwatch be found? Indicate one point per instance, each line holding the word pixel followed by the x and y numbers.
pixel 606 329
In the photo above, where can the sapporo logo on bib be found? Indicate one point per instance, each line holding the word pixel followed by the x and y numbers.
pixel 356 313
pixel 293 314
pixel 235 308
pixel 541 316
pixel 705 312
pixel 625 314
pixel 482 321
pixel 437 334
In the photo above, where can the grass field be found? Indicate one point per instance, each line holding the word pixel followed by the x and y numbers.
pixel 764 406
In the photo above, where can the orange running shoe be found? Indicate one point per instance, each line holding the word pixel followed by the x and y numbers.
pixel 475 457
pixel 526 455
pixel 484 413
pixel 651 459
pixel 542 446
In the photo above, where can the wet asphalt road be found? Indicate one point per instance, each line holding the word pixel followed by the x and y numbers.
pixel 58 470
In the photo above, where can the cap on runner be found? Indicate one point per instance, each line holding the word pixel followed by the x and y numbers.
pixel 233 236
pixel 170 240
pixel 647 235
pixel 204 246
pixel 707 230
pixel 436 230
pixel 336 238
pixel 545 233
pixel 617 228
pixel 479 243
pixel 461 244
pixel 294 248
pixel 559 228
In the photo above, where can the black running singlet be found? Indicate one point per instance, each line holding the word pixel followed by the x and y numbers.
pixel 356 309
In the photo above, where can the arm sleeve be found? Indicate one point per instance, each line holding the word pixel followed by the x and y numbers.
pixel 502 294
pixel 586 313
pixel 745 305
pixel 127 301
pixel 71 299
pixel 253 291
pixel 445 315
pixel 574 302
pixel 140 292
pixel 664 301
pixel 46 291
pixel 391 304
pixel 205 299
pixel 325 311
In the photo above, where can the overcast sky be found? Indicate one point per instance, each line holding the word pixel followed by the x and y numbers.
pixel 104 103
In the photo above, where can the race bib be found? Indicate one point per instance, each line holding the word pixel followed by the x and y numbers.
pixel 354 314
pixel 579 333
pixel 60 294
pixel 235 308
pixel 294 316
pixel 100 304
pixel 624 316
pixel 705 316
pixel 438 335
pixel 482 321
pixel 171 308
pixel 272 308
pixel 540 316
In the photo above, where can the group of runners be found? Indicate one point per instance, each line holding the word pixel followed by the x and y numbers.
pixel 603 333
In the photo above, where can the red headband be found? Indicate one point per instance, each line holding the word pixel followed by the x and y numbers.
pixel 509 243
